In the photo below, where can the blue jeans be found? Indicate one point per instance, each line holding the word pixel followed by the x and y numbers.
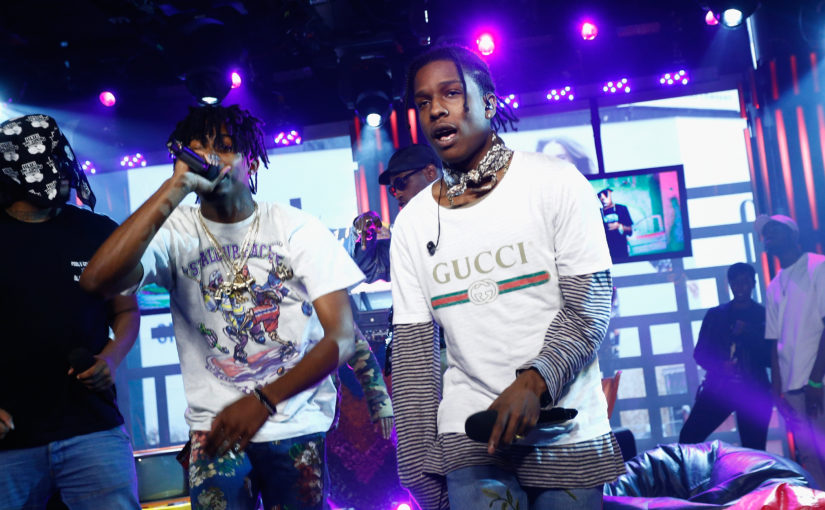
pixel 290 473
pixel 91 471
pixel 477 487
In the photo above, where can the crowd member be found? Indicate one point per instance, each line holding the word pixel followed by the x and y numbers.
pixel 260 311
pixel 735 355
pixel 795 306
pixel 60 428
pixel 618 225
pixel 508 254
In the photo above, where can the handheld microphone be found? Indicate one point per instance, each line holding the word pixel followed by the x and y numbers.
pixel 479 426
pixel 191 158
pixel 81 359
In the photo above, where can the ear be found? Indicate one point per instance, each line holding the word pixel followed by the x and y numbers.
pixel 490 105
pixel 253 166
pixel 430 172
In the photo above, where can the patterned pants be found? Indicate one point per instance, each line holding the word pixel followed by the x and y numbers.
pixel 287 475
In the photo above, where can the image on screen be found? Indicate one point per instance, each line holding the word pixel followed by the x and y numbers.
pixel 644 213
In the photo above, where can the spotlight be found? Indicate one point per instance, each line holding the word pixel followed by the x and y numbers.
pixel 589 30
pixel 621 85
pixel 486 44
pixel 559 94
pixel 403 506
pixel 133 160
pixel 209 85
pixel 710 19
pixel 287 138
pixel 88 167
pixel 511 100
pixel 679 77
pixel 107 99
pixel 373 106
pixel 732 13
pixel 732 17
pixel 235 79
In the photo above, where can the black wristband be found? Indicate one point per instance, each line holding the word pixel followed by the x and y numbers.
pixel 270 407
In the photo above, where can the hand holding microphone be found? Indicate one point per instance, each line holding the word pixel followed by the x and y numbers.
pixel 209 170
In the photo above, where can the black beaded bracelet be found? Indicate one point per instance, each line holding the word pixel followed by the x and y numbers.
pixel 270 407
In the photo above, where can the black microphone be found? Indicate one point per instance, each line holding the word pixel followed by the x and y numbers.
pixel 193 159
pixel 81 359
pixel 479 426
pixel 431 248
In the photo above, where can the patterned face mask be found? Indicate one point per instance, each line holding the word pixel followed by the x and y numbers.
pixel 35 156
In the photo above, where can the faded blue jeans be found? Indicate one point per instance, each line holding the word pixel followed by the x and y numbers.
pixel 477 487
pixel 91 471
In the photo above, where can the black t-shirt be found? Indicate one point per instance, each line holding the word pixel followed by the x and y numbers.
pixel 45 315
pixel 616 242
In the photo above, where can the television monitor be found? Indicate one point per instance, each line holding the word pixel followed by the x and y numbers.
pixel 160 476
pixel 644 213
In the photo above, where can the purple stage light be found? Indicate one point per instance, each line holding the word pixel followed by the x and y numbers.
pixel 679 77
pixel 710 19
pixel 486 44
pixel 133 161
pixel 403 506
pixel 107 98
pixel 511 99
pixel 88 167
pixel 559 94
pixel 612 87
pixel 236 79
pixel 589 30
pixel 287 138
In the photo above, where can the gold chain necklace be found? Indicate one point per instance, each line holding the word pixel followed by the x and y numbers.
pixel 236 281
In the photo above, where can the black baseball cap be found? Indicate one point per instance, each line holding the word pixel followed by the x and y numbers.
pixel 604 191
pixel 413 157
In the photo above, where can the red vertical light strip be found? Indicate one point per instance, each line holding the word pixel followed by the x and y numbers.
pixel 766 271
pixel 763 162
pixel 794 75
pixel 378 133
pixel 814 71
pixel 363 195
pixel 749 152
pixel 754 95
pixel 820 117
pixel 394 128
pixel 807 166
pixel 356 122
pixel 413 125
pixel 382 197
pixel 774 83
pixel 776 266
pixel 785 160
pixel 742 111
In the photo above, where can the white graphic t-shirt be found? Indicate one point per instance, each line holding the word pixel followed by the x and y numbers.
pixel 229 344
pixel 493 284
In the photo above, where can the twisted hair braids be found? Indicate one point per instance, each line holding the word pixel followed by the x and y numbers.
pixel 469 63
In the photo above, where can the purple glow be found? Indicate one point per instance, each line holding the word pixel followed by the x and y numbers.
pixel 612 87
pixel 287 138
pixel 133 161
pixel 559 94
pixel 710 19
pixel 679 77
pixel 236 79
pixel 589 30
pixel 511 99
pixel 107 99
pixel 486 44
pixel 88 167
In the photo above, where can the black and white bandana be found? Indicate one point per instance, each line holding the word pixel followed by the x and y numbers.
pixel 35 155
pixel 481 178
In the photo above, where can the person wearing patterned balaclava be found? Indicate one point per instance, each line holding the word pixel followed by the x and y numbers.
pixel 60 428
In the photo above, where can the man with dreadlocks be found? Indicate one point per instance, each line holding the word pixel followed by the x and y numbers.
pixel 518 276
pixel 260 311
pixel 60 428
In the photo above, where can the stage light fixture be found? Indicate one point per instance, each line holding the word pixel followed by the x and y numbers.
pixel 287 138
pixel 373 106
pixel 235 79
pixel 732 13
pixel 209 85
pixel 613 87
pixel 559 94
pixel 486 44
pixel 88 167
pixel 403 506
pixel 680 77
pixel 510 99
pixel 589 30
pixel 133 160
pixel 710 18
pixel 107 98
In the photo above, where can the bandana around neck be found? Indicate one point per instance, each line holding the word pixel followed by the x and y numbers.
pixel 35 156
pixel 481 178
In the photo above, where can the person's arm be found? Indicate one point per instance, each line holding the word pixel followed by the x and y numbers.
pixel 239 421
pixel 116 264
pixel 366 370
pixel 124 320
pixel 6 423
pixel 706 352
pixel 814 390
pixel 570 343
pixel 416 383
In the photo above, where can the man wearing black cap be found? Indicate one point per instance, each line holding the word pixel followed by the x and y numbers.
pixel 410 170
pixel 618 225
pixel 60 428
